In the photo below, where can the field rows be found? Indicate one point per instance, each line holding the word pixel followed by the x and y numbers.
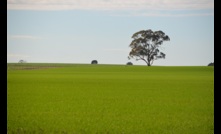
pixel 111 99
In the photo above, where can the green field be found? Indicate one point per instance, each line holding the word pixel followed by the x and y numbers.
pixel 113 99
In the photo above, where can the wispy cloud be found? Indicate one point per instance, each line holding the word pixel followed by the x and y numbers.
pixel 29 37
pixel 166 14
pixel 109 4
pixel 17 56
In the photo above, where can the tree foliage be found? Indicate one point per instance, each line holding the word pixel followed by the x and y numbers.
pixel 145 45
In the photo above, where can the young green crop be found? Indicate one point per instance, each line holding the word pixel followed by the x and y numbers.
pixel 111 99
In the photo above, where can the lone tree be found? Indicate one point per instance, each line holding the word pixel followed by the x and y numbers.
pixel 145 45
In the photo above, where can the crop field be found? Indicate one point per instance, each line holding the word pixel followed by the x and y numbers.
pixel 109 99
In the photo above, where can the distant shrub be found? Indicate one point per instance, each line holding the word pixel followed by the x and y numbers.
pixel 21 61
pixel 94 62
pixel 129 63
pixel 211 64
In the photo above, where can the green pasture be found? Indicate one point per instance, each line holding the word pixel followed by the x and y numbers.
pixel 110 99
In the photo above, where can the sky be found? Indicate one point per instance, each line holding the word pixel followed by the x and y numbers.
pixel 79 31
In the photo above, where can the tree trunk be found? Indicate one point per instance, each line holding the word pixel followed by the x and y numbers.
pixel 148 63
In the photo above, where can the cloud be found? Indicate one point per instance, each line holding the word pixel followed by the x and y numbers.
pixel 29 37
pixel 109 4
pixel 166 14
pixel 17 56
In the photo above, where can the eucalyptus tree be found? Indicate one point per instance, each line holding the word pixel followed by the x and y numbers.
pixel 145 45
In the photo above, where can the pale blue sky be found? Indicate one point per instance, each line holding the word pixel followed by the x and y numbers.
pixel 73 31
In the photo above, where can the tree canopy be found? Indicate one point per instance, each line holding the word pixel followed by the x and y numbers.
pixel 145 45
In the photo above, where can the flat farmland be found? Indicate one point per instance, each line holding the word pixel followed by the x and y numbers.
pixel 113 99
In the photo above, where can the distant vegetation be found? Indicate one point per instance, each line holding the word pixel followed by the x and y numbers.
pixel 94 62
pixel 129 63
pixel 211 64
pixel 22 61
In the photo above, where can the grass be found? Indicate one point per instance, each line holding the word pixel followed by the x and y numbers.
pixel 114 99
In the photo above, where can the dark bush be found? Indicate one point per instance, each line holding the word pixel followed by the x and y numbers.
pixel 21 61
pixel 129 63
pixel 211 64
pixel 94 62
